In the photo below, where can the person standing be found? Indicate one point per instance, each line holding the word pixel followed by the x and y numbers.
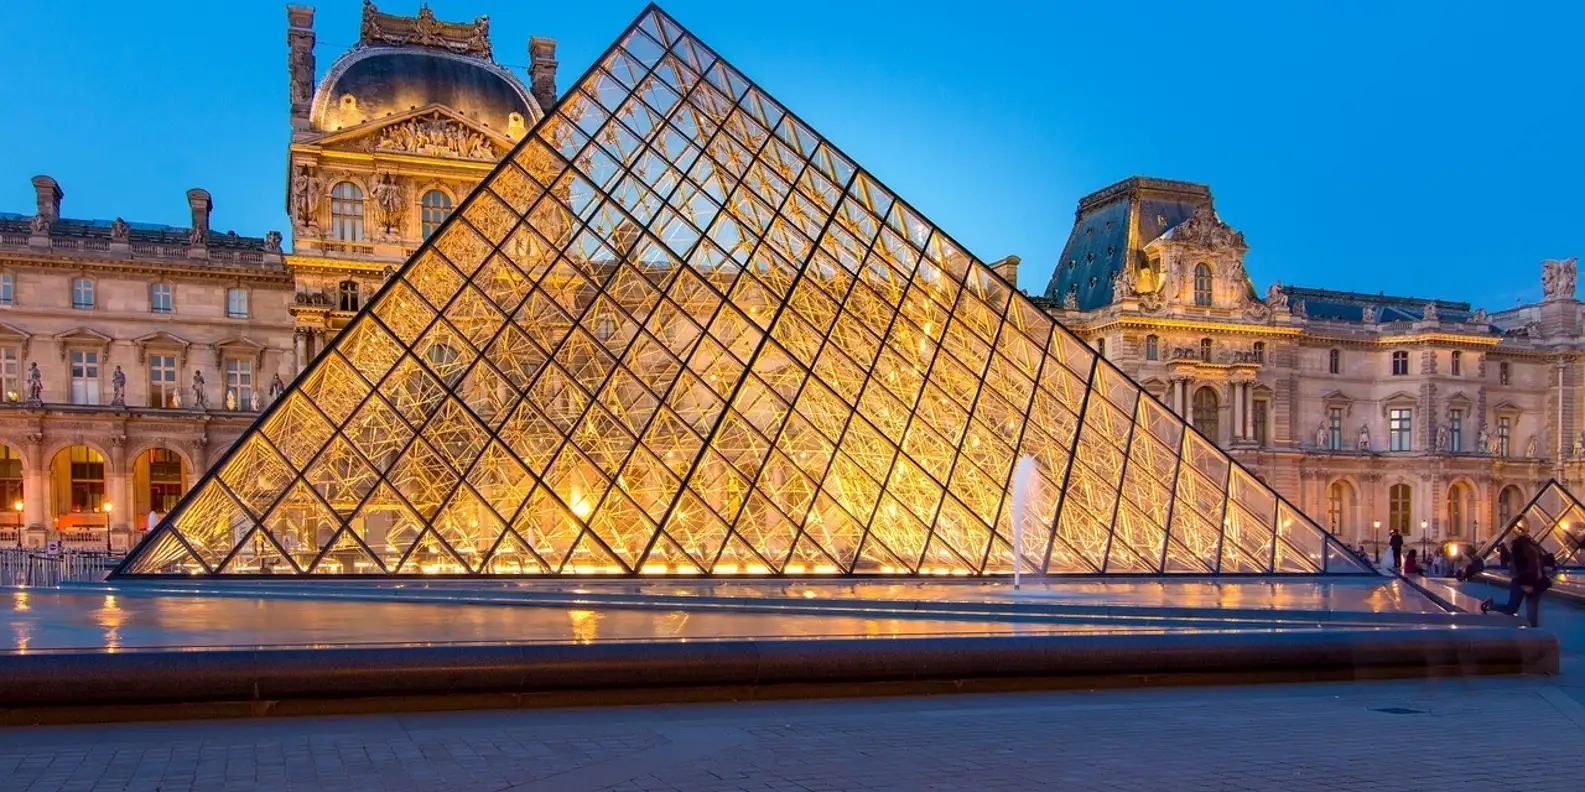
pixel 1527 578
pixel 1395 541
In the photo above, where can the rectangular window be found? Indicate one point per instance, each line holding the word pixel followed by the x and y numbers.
pixel 1504 374
pixel 1334 423
pixel 87 479
pixel 1400 364
pixel 162 381
pixel 1458 363
pixel 1334 361
pixel 85 376
pixel 1398 429
pixel 160 301
pixel 1260 422
pixel 82 293
pixel 239 384
pixel 1455 430
pixel 237 303
pixel 10 376
pixel 7 288
pixel 1504 434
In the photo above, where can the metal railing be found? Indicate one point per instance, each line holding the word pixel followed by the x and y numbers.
pixel 21 567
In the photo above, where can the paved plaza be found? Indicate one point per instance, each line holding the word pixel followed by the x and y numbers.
pixel 1426 734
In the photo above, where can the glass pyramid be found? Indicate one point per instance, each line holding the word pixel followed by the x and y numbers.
pixel 1555 519
pixel 678 332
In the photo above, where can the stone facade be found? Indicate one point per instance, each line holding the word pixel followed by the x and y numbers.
pixel 416 112
pixel 1430 415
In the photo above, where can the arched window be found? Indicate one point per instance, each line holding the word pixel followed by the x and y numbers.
pixel 347 295
pixel 433 208
pixel 1334 361
pixel 1259 350
pixel 1336 505
pixel 346 212
pixel 1507 507
pixel 1457 509
pixel 1399 513
pixel 1206 413
pixel 1205 349
pixel 1152 347
pixel 1202 284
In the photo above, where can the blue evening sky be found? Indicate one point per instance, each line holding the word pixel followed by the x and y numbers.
pixel 1418 147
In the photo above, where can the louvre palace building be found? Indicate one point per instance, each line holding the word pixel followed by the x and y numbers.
pixel 133 355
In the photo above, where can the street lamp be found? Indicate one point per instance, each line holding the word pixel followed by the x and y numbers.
pixel 1375 539
pixel 1425 538
pixel 106 508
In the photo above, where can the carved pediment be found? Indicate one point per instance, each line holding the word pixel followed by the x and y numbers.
pixel 1459 401
pixel 1400 400
pixel 82 337
pixel 11 334
pixel 239 346
pixel 162 340
pixel 1506 409
pixel 1205 229
pixel 430 131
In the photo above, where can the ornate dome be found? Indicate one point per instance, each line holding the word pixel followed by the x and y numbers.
pixel 372 82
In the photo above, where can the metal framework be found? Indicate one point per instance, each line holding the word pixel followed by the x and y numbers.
pixel 1556 520
pixel 678 332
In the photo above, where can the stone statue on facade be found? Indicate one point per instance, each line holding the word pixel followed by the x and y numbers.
pixel 231 400
pixel 1479 317
pixel 1441 438
pixel 118 388
pixel 1364 437
pixel 1530 447
pixel 254 401
pixel 1070 301
pixel 272 242
pixel 1276 298
pixel 200 398
pixel 1123 284
pixel 305 195
pixel 1322 435
pixel 1368 314
pixel 35 384
pixel 1429 314
pixel 39 225
pixel 120 231
pixel 1483 440
pixel 387 194
pixel 1568 270
pixel 197 235
pixel 276 388
pixel 1579 446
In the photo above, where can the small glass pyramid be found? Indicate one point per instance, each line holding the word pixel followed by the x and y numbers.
pixel 678 332
pixel 1556 520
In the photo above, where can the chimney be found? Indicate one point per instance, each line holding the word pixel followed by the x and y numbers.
pixel 542 71
pixel 198 236
pixel 48 194
pixel 1008 269
pixel 300 63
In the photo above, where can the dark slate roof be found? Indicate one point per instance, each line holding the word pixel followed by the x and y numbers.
pixel 388 80
pixel 1345 306
pixel 1102 240
pixel 154 233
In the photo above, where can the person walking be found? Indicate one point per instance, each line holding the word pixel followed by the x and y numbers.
pixel 1395 541
pixel 1527 578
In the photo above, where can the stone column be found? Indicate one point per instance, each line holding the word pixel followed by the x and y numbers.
pixel 300 349
pixel 1236 431
pixel 1249 410
pixel 35 485
pixel 118 485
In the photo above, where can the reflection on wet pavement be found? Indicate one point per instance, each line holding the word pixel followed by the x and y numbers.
pixel 41 620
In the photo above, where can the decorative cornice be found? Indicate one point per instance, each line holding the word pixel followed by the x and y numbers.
pixel 143 268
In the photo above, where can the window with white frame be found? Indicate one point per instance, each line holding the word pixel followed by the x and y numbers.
pixel 162 380
pixel 1455 430
pixel 237 303
pixel 1259 351
pixel 1399 431
pixel 85 376
pixel 1504 435
pixel 82 293
pixel 239 382
pixel 8 286
pixel 434 208
pixel 347 298
pixel 1334 428
pixel 346 212
pixel 11 373
pixel 1205 349
pixel 161 300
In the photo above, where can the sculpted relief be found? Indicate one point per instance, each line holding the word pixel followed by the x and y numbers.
pixel 435 136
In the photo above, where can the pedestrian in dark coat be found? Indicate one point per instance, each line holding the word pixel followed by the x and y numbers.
pixel 1527 578
pixel 1395 541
